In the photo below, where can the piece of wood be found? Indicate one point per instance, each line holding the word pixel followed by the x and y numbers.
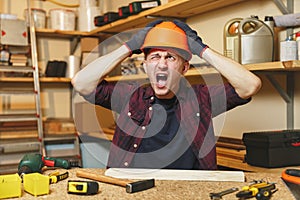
pixel 231 153
pixel 172 174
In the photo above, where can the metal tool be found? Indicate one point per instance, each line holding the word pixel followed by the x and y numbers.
pixel 260 189
pixel 218 195
pixel 130 186
pixel 83 187
pixel 291 178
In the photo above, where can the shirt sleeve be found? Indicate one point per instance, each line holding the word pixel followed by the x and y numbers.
pixel 224 98
pixel 110 95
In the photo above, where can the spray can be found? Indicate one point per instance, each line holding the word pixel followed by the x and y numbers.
pixel 298 44
pixel 288 49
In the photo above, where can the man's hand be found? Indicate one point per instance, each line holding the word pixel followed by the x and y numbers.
pixel 137 40
pixel 196 45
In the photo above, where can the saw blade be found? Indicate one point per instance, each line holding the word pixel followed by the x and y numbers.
pixel 294 188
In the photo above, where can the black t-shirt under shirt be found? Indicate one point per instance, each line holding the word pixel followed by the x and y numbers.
pixel 164 144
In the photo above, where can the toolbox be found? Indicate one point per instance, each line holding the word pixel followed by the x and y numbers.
pixel 271 149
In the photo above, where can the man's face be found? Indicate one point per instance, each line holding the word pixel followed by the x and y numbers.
pixel 164 69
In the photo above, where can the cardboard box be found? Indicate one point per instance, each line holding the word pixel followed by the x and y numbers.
pixel 89 44
pixel 59 126
pixel 91 118
pixel 272 148
pixel 13 32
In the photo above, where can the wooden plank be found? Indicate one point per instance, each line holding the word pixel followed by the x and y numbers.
pixel 196 72
pixel 286 66
pixel 238 155
pixel 172 174
pixel 230 145
pixel 42 79
pixel 18 135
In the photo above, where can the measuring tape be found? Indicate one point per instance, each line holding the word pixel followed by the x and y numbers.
pixel 83 187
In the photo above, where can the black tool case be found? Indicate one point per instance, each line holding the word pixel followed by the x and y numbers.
pixel 272 148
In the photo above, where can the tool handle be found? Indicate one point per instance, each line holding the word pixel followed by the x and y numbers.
pixel 101 178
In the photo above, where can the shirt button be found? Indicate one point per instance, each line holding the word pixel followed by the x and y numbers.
pixel 150 108
pixel 143 127
pixel 126 164
pixel 135 146
pixel 198 114
pixel 129 113
pixel 152 98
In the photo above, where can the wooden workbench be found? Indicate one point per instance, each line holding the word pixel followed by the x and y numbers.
pixel 164 189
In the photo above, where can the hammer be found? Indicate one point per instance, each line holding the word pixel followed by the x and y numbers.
pixel 130 186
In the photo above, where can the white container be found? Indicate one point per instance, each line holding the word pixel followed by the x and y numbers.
pixel 8 16
pixel 88 3
pixel 256 40
pixel 38 15
pixel 73 65
pixel 62 19
pixel 288 50
pixel 86 17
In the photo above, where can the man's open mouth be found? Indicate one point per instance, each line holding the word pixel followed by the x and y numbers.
pixel 161 79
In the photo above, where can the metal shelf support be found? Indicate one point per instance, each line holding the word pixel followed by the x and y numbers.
pixel 287 94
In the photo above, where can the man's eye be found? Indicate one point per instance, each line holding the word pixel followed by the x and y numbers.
pixel 155 57
pixel 171 58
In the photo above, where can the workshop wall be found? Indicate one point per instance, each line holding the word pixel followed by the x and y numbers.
pixel 267 109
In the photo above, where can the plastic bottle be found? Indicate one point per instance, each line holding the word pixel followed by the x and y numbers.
pixel 288 49
pixel 4 55
pixel 298 44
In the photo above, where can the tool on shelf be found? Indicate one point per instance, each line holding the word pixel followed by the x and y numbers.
pixel 130 186
pixel 260 189
pixel 218 195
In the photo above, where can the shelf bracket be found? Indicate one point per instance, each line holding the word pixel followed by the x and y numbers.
pixel 287 95
pixel 73 44
pixel 285 9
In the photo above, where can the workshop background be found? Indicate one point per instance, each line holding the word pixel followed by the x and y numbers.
pixel 267 110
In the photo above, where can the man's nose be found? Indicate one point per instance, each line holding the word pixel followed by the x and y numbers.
pixel 162 62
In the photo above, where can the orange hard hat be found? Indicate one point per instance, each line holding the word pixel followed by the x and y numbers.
pixel 168 35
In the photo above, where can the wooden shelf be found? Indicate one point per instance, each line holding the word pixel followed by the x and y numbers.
pixel 174 9
pixel 30 79
pixel 269 66
pixel 180 9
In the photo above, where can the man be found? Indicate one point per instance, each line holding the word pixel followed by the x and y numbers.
pixel 166 123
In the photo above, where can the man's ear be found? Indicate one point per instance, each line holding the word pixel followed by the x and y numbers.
pixel 186 67
pixel 145 67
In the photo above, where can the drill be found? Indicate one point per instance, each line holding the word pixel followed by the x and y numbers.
pixel 31 163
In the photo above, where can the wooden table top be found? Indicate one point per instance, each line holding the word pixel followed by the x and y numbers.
pixel 164 189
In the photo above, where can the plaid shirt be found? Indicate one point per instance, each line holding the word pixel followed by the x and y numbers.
pixel 198 105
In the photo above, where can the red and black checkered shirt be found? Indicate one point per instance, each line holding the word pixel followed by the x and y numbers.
pixel 133 102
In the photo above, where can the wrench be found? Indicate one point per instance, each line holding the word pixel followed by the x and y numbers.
pixel 218 195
